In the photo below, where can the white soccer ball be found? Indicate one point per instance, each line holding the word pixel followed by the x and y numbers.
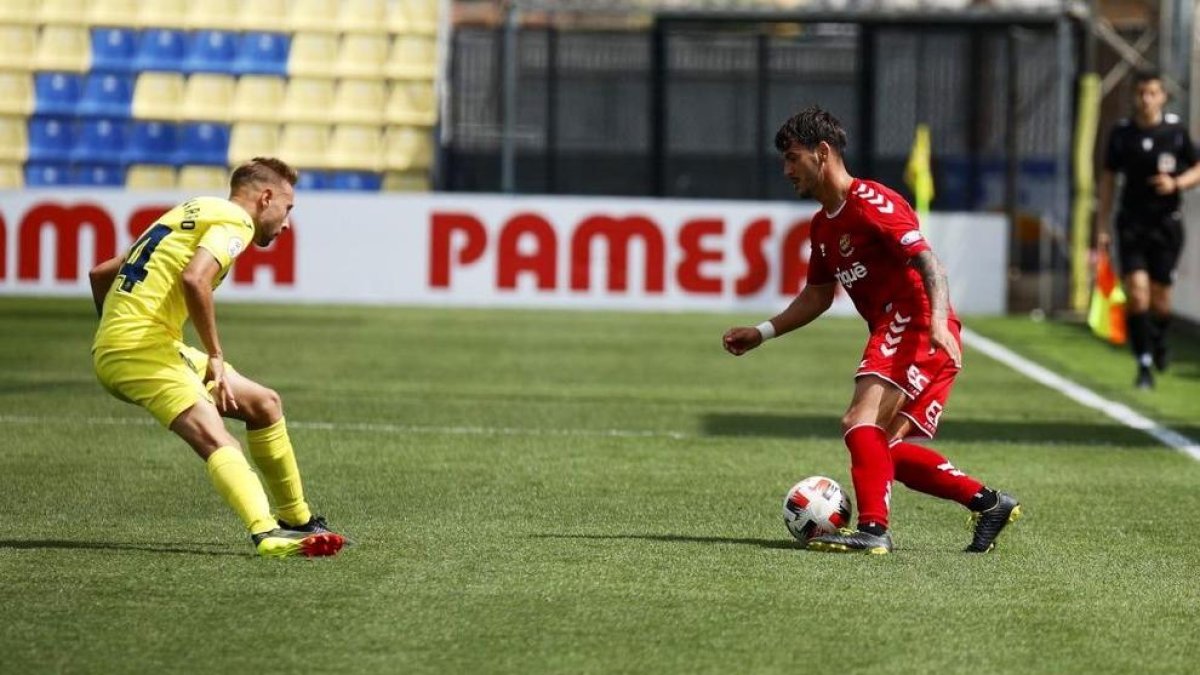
pixel 815 506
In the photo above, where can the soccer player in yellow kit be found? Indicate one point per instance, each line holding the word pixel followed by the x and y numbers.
pixel 145 296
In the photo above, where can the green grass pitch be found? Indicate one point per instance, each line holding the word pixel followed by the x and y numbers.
pixel 577 492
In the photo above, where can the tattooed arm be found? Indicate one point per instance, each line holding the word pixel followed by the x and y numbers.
pixel 937 287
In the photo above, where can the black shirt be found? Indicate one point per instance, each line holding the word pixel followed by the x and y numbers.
pixel 1140 154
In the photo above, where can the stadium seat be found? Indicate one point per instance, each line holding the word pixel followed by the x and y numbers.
pixel 151 142
pixel 203 143
pixel 150 177
pixel 406 181
pixel 10 176
pixel 211 51
pixel 362 16
pixel 20 46
pixel 357 181
pixel 51 138
pixel 64 48
pixel 253 139
pixel 161 49
pixel 99 141
pixel 412 57
pixel 355 146
pixel 264 15
pixel 412 102
pixel 359 102
pixel 307 99
pixel 23 12
pixel 311 179
pixel 47 174
pixel 419 17
pixel 262 54
pixel 407 148
pixel 14 139
pixel 258 98
pixel 65 12
pixel 106 95
pixel 208 97
pixel 16 93
pixel 98 175
pixel 114 13
pixel 305 145
pixel 162 13
pixel 204 178
pixel 313 55
pixel 57 93
pixel 158 96
pixel 114 50
pixel 313 15
pixel 214 14
pixel 362 56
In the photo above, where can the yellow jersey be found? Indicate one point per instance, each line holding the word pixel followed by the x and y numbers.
pixel 146 302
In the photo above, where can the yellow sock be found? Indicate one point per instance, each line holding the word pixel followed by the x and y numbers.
pixel 272 452
pixel 233 478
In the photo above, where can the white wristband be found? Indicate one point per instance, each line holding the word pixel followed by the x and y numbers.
pixel 766 329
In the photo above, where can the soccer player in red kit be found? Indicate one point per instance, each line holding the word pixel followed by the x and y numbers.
pixel 867 238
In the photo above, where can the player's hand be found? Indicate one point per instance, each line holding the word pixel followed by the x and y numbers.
pixel 1164 184
pixel 941 338
pixel 221 388
pixel 739 340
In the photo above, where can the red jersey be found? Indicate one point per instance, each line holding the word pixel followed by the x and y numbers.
pixel 866 246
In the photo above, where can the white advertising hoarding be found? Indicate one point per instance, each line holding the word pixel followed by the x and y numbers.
pixel 481 250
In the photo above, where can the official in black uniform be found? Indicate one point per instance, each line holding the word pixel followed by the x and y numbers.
pixel 1154 154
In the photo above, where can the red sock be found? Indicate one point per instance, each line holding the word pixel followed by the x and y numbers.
pixel 872 472
pixel 926 471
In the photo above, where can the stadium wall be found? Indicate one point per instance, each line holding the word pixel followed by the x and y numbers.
pixel 459 250
pixel 1186 300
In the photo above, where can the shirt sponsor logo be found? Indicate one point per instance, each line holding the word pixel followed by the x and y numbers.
pixel 848 276
pixel 911 237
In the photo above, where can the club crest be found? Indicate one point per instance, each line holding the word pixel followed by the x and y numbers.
pixel 844 246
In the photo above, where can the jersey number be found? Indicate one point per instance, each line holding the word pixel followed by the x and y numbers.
pixel 134 272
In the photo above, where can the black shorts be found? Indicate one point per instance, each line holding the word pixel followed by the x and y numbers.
pixel 1150 242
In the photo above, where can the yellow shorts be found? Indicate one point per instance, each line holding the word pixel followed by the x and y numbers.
pixel 165 379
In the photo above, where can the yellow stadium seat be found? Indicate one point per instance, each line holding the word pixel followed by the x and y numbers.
pixel 213 14
pixel 407 148
pixel 264 15
pixel 207 178
pixel 406 181
pixel 363 16
pixel 20 45
pixel 253 139
pixel 162 13
pixel 258 98
pixel 150 177
pixel 115 13
pixel 313 15
pixel 208 97
pixel 419 17
pixel 307 99
pixel 313 55
pixel 158 96
pixel 412 102
pixel 359 102
pixel 305 145
pixel 64 48
pixel 11 177
pixel 14 139
pixel 355 146
pixel 20 11
pixel 16 93
pixel 412 58
pixel 362 56
pixel 68 12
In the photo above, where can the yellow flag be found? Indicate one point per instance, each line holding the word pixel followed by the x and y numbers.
pixel 918 173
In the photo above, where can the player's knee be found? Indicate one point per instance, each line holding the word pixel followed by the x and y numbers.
pixel 267 407
pixel 855 418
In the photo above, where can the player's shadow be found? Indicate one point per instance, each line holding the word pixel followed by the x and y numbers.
pixel 174 548
pixel 683 539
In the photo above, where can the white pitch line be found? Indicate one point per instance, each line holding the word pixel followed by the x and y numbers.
pixel 1082 395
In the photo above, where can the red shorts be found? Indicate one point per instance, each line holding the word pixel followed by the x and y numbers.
pixel 899 352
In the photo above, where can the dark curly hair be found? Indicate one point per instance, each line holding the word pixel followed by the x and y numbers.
pixel 809 127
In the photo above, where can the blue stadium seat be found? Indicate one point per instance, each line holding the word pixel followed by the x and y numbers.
pixel 311 179
pixel 51 138
pixel 100 141
pixel 211 51
pixel 98 175
pixel 161 49
pixel 47 174
pixel 262 54
pixel 107 95
pixel 359 181
pixel 114 50
pixel 203 143
pixel 57 93
pixel 151 142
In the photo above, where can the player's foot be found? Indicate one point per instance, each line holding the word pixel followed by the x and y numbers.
pixel 853 541
pixel 989 523
pixel 315 525
pixel 1161 357
pixel 281 543
pixel 1145 378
